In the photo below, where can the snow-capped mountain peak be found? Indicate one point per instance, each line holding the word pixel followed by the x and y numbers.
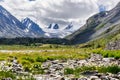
pixel 32 27
pixel 55 31
pixel 10 27
pixel 53 26
pixel 27 22
pixel 69 26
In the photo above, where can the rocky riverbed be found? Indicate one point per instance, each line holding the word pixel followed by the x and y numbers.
pixel 55 69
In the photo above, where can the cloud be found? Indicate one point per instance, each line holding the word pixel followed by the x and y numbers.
pixel 68 11
pixel 62 12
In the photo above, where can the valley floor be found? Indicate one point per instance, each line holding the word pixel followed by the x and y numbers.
pixel 58 62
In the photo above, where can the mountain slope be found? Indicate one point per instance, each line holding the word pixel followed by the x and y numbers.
pixel 32 28
pixel 10 27
pixel 98 26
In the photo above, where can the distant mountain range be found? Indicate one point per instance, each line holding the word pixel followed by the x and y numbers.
pixel 104 25
pixel 53 30
pixel 11 27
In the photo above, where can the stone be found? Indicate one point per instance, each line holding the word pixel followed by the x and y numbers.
pixel 54 70
pixel 89 73
pixel 62 78
pixel 82 79
pixel 96 57
pixel 74 79
pixel 113 45
pixel 7 79
pixel 104 77
pixel 94 77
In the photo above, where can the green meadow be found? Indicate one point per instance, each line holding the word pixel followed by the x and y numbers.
pixel 31 57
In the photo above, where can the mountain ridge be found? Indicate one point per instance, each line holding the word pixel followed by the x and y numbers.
pixel 27 28
pixel 32 27
pixel 99 25
pixel 9 24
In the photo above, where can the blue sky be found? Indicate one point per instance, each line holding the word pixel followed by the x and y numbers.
pixel 62 12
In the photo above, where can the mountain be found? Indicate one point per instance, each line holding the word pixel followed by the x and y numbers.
pixel 10 27
pixel 53 26
pixel 32 27
pixel 105 24
pixel 55 31
pixel 70 26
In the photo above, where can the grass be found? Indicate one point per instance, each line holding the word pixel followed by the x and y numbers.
pixel 100 26
pixel 106 37
pixel 114 69
pixel 32 47
pixel 29 58
pixel 77 71
pixel 32 61
pixel 13 76
pixel 63 52
pixel 68 71
pixel 8 74
pixel 109 69
pixel 108 53
pixel 33 57
pixel 68 53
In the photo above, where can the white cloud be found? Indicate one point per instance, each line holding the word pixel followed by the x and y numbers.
pixel 62 12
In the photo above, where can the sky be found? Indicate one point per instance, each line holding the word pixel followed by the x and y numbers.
pixel 62 12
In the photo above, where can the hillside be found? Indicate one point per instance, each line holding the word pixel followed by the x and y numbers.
pixel 102 26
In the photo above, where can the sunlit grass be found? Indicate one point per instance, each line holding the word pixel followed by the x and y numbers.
pixel 114 69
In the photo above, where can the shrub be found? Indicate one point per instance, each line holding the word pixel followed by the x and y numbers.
pixel 37 65
pixel 7 74
pixel 41 59
pixel 37 68
pixel 29 59
pixel 111 69
pixel 114 69
pixel 68 71
pixel 27 68
pixel 24 62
